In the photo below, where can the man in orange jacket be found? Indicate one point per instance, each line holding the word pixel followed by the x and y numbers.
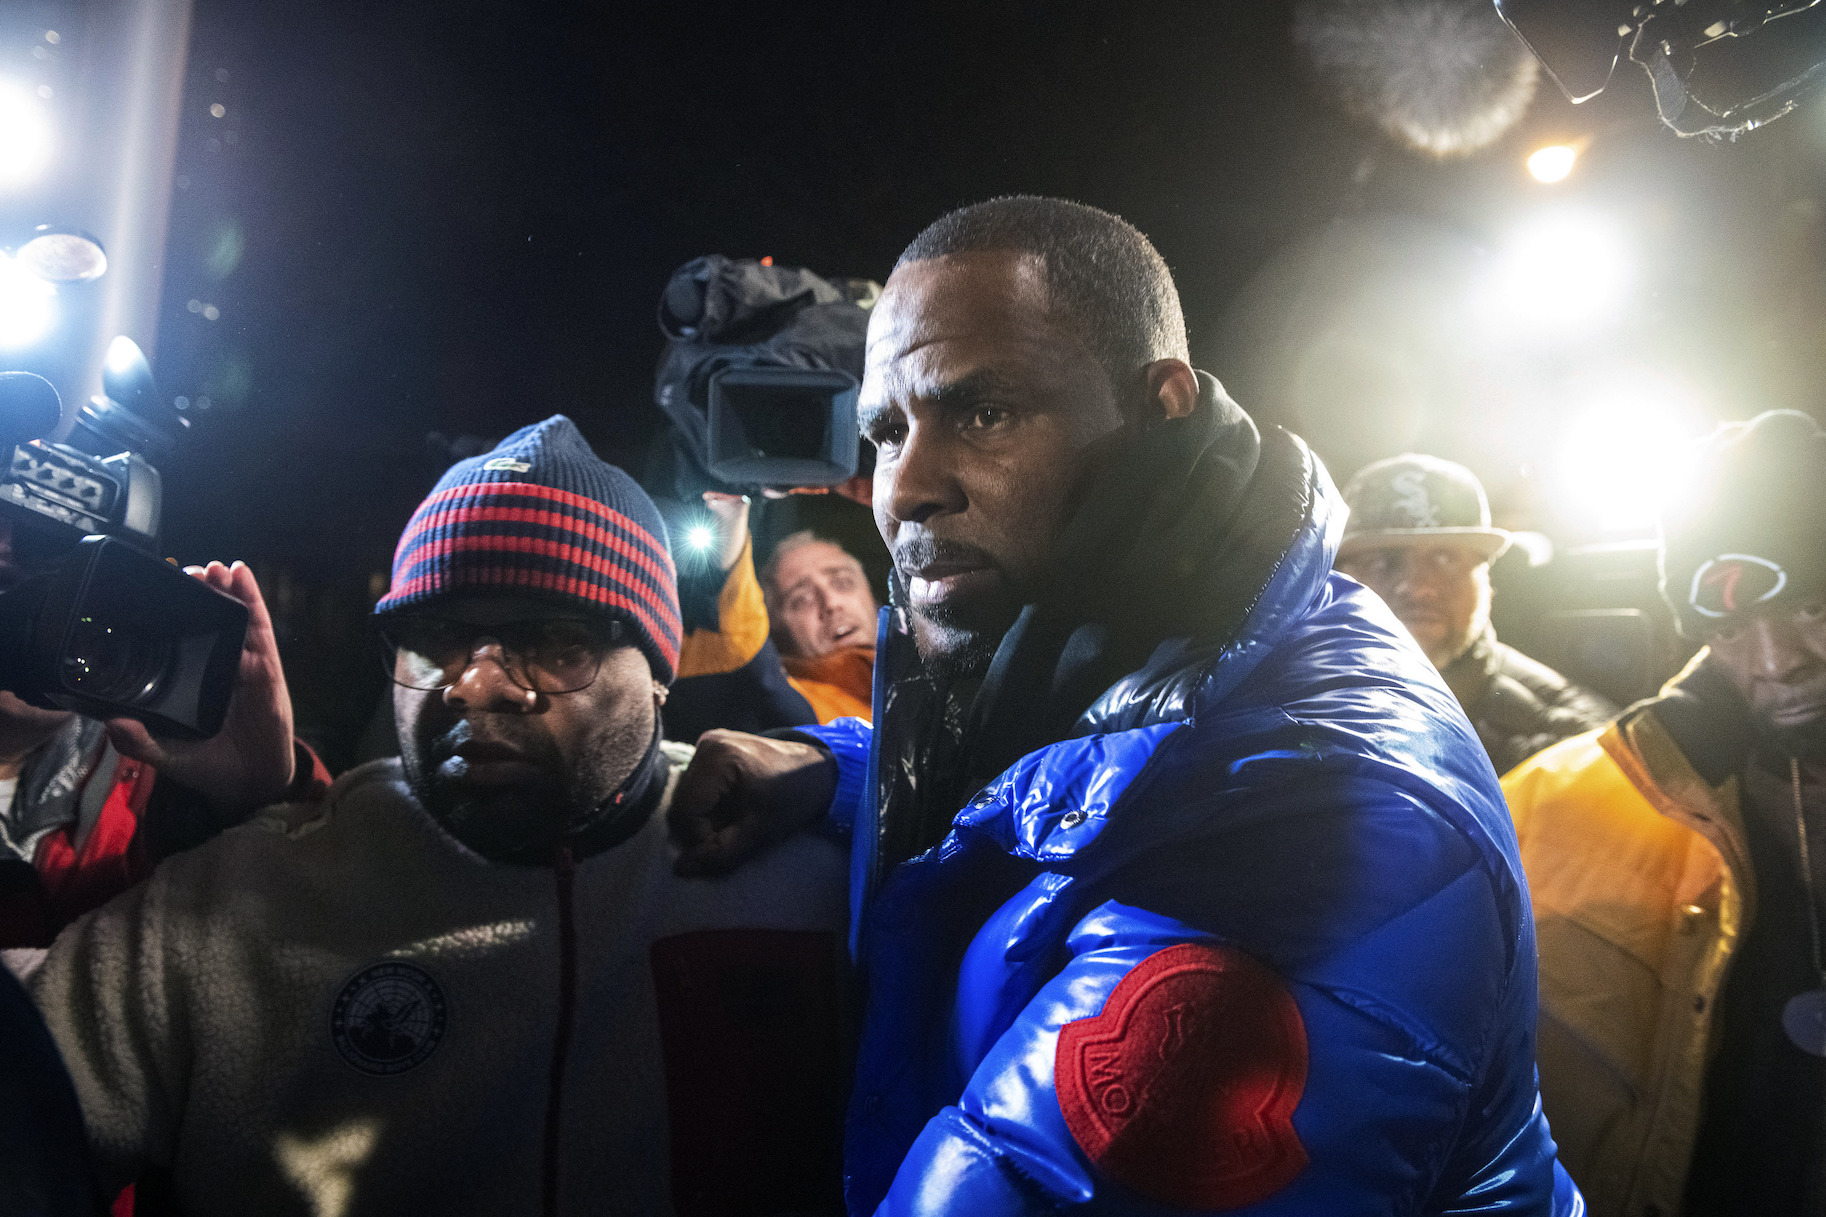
pixel 1676 862
pixel 792 646
pixel 823 616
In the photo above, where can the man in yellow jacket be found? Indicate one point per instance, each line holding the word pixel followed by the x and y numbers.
pixel 792 646
pixel 1677 866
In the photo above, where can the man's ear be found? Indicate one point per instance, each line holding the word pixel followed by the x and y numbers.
pixel 660 693
pixel 1171 389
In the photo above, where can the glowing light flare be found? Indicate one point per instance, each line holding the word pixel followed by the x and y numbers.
pixel 1627 447
pixel 123 356
pixel 1564 272
pixel 1553 163
pixel 700 537
pixel 28 306
pixel 25 136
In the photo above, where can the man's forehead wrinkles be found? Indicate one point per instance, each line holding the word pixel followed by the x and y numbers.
pixel 932 382
pixel 918 349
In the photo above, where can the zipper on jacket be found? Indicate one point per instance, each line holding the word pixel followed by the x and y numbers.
pixel 564 872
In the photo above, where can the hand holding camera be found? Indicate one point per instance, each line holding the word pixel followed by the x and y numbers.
pixel 251 760
pixel 90 619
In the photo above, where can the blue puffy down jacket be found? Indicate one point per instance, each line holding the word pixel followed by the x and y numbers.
pixel 1254 939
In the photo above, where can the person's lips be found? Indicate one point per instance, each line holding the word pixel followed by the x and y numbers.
pixel 938 582
pixel 1798 713
pixel 488 763
pixel 938 571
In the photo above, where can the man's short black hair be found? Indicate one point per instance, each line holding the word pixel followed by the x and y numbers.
pixel 1101 273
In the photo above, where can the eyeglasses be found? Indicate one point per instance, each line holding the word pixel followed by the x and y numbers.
pixel 559 655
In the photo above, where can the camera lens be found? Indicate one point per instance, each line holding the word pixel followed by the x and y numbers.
pixel 109 662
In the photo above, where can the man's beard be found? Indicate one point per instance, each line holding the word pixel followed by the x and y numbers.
pixel 957 641
pixel 956 645
pixel 524 823
pixel 1804 742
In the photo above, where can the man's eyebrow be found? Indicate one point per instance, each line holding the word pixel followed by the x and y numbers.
pixel 968 389
pixel 957 394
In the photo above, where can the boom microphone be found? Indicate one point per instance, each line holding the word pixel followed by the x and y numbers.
pixel 29 407
pixel 1444 77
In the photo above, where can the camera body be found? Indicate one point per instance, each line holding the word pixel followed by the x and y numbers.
pixel 760 374
pixel 783 426
pixel 52 489
pixel 94 621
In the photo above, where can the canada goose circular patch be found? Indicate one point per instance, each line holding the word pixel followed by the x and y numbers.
pixel 1183 1088
pixel 388 1018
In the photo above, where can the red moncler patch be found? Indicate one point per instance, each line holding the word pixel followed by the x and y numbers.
pixel 1183 1089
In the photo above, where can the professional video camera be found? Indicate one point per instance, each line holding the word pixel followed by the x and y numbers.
pixel 98 624
pixel 1720 68
pixel 759 375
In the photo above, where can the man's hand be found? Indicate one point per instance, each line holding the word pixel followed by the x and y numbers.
pixel 743 793
pixel 250 762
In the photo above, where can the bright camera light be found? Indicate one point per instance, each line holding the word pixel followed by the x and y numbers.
pixel 1553 163
pixel 1563 272
pixel 700 537
pixel 25 136
pixel 123 355
pixel 1628 446
pixel 28 306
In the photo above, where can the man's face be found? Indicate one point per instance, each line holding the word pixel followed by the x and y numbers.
pixel 1441 593
pixel 822 600
pixel 983 409
pixel 1776 657
pixel 508 771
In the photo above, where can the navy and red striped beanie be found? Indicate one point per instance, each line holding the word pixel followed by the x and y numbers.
pixel 543 514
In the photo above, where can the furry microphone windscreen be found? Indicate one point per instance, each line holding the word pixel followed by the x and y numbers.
pixel 1444 77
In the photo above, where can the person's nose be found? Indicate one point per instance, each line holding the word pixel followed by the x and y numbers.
pixel 1410 585
pixel 485 685
pixel 1776 653
pixel 922 480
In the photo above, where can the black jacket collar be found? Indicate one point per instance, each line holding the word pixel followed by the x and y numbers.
pixel 1157 571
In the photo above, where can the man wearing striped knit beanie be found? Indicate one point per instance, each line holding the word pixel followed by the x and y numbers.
pixel 564 558
pixel 468 980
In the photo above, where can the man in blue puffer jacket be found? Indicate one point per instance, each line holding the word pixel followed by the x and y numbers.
pixel 1179 880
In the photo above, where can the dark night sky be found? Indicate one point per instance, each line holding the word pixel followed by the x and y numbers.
pixel 457 216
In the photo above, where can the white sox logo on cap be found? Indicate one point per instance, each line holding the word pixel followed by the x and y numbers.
pixel 1731 583
pixel 1411 499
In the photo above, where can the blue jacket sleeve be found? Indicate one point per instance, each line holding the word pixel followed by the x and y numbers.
pixel 1384 1086
pixel 849 740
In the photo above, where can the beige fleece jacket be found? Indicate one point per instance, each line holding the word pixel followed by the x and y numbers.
pixel 337 1010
